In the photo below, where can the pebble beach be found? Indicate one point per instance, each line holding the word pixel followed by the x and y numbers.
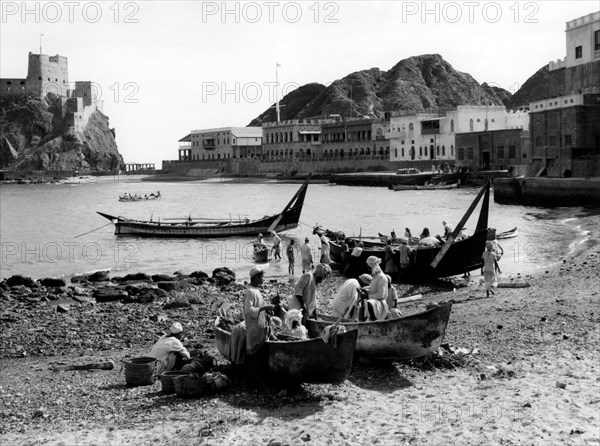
pixel 528 372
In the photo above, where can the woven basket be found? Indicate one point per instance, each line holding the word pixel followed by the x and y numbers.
pixel 140 371
pixel 190 386
pixel 166 381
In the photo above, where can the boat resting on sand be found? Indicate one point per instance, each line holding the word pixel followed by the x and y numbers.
pixel 409 337
pixel 311 361
pixel 507 234
pixel 288 218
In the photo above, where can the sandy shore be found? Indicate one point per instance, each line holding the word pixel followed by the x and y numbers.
pixel 535 380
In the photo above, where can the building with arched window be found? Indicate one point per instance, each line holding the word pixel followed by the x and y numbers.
pixel 221 143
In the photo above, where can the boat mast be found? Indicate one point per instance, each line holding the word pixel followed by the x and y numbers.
pixel 277 91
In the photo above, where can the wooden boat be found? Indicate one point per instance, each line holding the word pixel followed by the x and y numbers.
pixel 261 255
pixel 507 234
pixel 310 361
pixel 136 197
pixel 456 257
pixel 398 187
pixel 409 337
pixel 288 218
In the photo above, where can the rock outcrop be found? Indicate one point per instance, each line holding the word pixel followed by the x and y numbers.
pixel 35 136
pixel 416 83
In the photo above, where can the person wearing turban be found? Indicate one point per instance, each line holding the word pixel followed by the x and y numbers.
pixel 305 291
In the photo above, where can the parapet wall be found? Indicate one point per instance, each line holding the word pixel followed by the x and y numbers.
pixel 551 192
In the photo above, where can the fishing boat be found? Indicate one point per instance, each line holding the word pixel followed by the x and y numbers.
pixel 507 234
pixel 398 187
pixel 457 255
pixel 409 337
pixel 190 227
pixel 310 361
pixel 261 254
pixel 137 197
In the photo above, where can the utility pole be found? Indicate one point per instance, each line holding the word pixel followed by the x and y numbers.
pixel 277 91
pixel 41 35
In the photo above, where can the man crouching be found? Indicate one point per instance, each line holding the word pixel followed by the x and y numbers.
pixel 169 350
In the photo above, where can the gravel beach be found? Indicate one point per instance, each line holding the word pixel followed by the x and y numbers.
pixel 530 371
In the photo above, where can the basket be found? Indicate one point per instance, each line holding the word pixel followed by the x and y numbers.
pixel 166 381
pixel 190 386
pixel 140 371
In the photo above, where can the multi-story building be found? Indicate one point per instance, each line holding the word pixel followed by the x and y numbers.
pixel 293 139
pixel 565 126
pixel 355 137
pixel 221 143
pixel 429 137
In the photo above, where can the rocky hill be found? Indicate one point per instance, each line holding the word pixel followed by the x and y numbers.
pixel 35 137
pixel 415 83
pixel 543 84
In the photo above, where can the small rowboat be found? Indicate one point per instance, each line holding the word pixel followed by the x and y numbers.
pixel 398 187
pixel 409 337
pixel 261 255
pixel 311 361
pixel 507 234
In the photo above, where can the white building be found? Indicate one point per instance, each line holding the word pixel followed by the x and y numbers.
pixel 221 143
pixel 431 136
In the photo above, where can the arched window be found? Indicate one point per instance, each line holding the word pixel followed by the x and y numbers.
pixel 395 152
pixel 336 153
pixel 452 126
pixel 420 151
pixel 368 150
pixel 308 153
pixel 470 125
pixel 402 152
pixel 341 153
pixel 413 152
pixel 362 151
pixel 411 127
pixel 301 153
pixel 443 150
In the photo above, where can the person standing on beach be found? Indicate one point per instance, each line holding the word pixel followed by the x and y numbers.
pixel 490 268
pixel 276 246
pixel 306 256
pixel 256 328
pixel 404 250
pixel 291 257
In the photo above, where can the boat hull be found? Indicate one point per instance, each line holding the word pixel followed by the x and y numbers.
pixel 462 256
pixel 287 219
pixel 409 337
pixel 311 361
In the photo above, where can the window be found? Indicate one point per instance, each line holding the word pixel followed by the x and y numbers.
pixel 597 40
pixel 452 126
pixel 552 141
pixel 411 127
pixel 452 150
pixel 461 153
pixel 402 152
pixel 470 125
pixel 470 153
pixel 395 153
pixel 500 152
pixel 511 152
pixel 443 150
pixel 568 141
pixel 538 141
pixel 420 151
pixel 578 52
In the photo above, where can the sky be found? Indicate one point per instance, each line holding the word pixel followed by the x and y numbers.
pixel 165 68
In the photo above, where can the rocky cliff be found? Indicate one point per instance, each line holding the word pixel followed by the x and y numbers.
pixel 415 83
pixel 36 137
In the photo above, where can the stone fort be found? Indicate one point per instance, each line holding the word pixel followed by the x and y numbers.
pixel 50 75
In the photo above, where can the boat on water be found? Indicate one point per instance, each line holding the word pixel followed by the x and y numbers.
pixel 137 197
pixel 507 234
pixel 310 361
pixel 190 227
pixel 261 255
pixel 409 337
pixel 456 256
pixel 398 187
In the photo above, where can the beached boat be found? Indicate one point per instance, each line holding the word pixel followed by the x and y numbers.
pixel 454 257
pixel 311 361
pixel 189 227
pixel 409 337
pixel 507 234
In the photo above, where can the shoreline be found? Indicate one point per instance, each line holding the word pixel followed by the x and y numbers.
pixel 521 386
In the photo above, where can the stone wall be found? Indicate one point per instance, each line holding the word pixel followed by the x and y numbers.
pixel 548 191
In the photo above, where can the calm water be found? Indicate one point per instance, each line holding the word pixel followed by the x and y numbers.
pixel 41 225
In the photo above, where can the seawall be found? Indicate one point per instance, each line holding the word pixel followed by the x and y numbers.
pixel 550 192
